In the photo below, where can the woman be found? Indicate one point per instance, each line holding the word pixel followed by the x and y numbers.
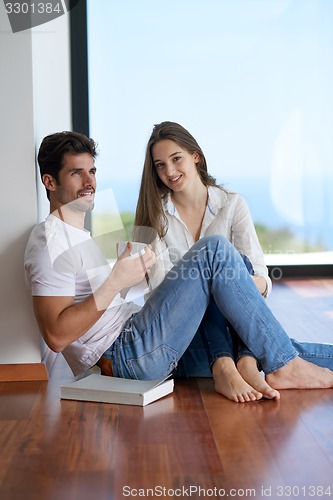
pixel 181 202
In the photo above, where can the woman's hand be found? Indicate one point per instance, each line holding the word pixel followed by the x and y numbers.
pixel 261 285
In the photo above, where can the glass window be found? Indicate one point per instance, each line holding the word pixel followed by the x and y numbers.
pixel 250 79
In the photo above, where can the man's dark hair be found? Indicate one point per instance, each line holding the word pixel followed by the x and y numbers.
pixel 54 147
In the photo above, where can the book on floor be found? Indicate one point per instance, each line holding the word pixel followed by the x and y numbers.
pixel 104 389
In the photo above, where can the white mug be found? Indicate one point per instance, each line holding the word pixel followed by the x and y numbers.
pixel 137 250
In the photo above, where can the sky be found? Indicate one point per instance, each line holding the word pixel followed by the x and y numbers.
pixel 250 79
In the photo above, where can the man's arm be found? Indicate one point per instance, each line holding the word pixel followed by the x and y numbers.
pixel 61 321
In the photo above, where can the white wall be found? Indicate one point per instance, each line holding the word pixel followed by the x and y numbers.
pixel 34 101
pixel 51 87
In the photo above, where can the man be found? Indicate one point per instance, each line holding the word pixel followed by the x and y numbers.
pixel 81 313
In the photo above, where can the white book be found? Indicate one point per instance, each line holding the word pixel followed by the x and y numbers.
pixel 117 390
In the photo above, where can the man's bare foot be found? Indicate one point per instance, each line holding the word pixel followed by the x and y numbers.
pixel 231 384
pixel 247 367
pixel 300 374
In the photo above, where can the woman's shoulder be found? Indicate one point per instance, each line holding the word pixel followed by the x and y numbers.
pixel 222 196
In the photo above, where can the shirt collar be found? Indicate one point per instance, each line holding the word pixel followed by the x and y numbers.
pixel 217 198
pixel 168 205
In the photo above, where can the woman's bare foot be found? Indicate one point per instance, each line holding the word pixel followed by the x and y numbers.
pixel 300 374
pixel 231 384
pixel 247 367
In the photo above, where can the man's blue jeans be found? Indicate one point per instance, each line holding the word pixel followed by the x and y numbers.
pixel 155 339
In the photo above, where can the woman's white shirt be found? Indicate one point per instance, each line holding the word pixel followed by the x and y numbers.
pixel 227 214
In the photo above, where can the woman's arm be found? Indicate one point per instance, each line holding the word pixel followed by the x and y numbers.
pixel 245 239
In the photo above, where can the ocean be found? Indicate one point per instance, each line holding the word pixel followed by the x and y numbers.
pixel 297 215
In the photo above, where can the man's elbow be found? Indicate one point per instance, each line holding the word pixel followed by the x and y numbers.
pixel 53 341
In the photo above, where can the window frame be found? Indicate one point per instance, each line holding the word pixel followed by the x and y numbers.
pixel 80 122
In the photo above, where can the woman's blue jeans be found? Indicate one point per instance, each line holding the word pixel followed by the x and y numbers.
pixel 154 340
pixel 216 336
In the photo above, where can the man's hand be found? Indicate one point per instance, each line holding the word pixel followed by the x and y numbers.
pixel 130 270
pixel 61 321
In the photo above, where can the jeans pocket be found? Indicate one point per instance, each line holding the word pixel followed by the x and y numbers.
pixel 155 364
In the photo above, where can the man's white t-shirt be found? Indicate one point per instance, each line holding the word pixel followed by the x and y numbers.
pixel 61 260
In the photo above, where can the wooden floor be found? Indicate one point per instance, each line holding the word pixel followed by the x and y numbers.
pixel 52 449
